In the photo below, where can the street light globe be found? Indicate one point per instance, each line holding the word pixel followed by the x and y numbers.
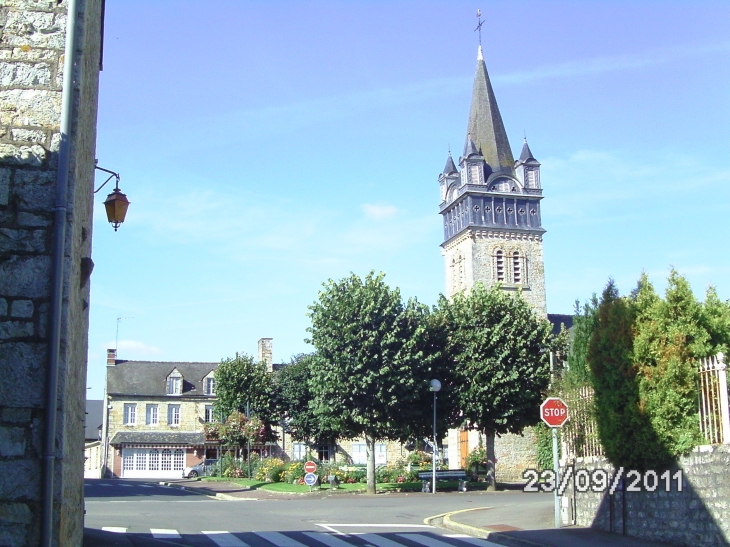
pixel 435 385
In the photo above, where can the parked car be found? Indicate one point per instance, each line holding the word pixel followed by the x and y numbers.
pixel 197 470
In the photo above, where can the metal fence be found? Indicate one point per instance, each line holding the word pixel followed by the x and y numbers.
pixel 579 436
pixel 580 433
pixel 714 414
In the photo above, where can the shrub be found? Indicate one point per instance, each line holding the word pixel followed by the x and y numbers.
pixel 270 469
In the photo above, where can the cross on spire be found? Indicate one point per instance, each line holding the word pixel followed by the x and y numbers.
pixel 479 25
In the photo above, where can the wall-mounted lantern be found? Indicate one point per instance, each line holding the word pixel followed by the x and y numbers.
pixel 116 203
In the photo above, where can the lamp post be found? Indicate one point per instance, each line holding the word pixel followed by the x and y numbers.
pixel 435 387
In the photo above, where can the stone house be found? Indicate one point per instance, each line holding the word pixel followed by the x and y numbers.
pixel 154 417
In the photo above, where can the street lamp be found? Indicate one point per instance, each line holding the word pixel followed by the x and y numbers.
pixel 116 203
pixel 435 386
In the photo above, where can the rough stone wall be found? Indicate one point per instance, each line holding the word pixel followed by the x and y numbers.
pixel 32 41
pixel 514 454
pixel 696 516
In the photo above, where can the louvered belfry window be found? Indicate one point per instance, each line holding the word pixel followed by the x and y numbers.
pixel 516 267
pixel 499 264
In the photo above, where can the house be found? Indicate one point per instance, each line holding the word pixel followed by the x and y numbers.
pixel 93 446
pixel 154 417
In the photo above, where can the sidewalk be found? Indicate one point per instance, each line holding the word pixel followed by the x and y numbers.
pixel 530 530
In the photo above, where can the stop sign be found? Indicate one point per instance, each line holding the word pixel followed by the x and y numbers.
pixel 554 411
pixel 310 467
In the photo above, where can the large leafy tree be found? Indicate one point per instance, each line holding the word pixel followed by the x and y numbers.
pixel 500 354
pixel 375 358
pixel 294 395
pixel 243 385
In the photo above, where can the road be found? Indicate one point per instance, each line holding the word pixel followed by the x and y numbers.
pixel 323 520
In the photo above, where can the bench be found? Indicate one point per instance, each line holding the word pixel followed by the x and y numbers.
pixel 443 475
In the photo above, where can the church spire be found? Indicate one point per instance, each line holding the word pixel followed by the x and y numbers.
pixel 485 123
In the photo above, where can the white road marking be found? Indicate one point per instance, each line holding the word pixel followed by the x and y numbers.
pixel 126 485
pixel 328 539
pixel 457 536
pixel 380 541
pixel 146 486
pixel 479 542
pixel 433 542
pixel 279 539
pixel 115 529
pixel 225 539
pixel 164 533
pixel 378 525
pixel 104 484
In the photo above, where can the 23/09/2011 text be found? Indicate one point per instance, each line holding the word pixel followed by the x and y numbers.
pixel 600 480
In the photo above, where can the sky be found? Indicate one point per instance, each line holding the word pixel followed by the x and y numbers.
pixel 269 146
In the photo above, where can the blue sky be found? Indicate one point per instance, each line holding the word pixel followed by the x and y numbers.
pixel 269 146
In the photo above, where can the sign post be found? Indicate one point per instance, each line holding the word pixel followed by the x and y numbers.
pixel 554 412
pixel 310 479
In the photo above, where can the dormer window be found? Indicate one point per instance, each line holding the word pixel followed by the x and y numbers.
pixel 209 385
pixel 174 383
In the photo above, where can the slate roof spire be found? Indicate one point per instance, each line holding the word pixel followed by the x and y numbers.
pixel 450 166
pixel 526 153
pixel 485 123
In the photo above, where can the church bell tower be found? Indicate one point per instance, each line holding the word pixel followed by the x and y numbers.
pixel 490 206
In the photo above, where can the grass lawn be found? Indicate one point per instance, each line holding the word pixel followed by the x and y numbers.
pixel 285 487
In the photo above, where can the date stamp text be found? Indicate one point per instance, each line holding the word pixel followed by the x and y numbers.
pixel 600 480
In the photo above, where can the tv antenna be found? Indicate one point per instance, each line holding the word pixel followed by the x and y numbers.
pixel 116 343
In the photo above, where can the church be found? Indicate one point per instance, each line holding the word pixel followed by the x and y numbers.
pixel 493 233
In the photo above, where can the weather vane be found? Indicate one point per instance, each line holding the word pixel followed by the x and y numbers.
pixel 479 26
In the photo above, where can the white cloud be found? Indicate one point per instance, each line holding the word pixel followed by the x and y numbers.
pixel 379 211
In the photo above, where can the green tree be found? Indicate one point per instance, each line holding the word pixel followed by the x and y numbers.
pixel 670 336
pixel 584 323
pixel 370 376
pixel 499 350
pixel 243 385
pixel 717 321
pixel 294 396
pixel 623 426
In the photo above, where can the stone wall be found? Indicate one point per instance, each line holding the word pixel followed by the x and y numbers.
pixel 698 515
pixel 32 41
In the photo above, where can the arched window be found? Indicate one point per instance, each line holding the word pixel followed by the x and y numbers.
pixel 516 267
pixel 499 264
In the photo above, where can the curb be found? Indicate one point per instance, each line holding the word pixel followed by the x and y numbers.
pixel 203 491
pixel 499 537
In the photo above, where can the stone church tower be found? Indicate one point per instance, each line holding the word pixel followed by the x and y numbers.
pixel 491 207
pixel 493 234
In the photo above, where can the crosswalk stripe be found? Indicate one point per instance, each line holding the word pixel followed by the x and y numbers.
pixel 279 539
pixel 379 541
pixel 146 486
pixel 104 484
pixel 115 529
pixel 225 539
pixel 164 533
pixel 328 539
pixel 433 542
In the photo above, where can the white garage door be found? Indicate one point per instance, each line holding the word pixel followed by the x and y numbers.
pixel 157 463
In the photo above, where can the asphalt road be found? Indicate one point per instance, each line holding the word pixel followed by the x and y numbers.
pixel 386 520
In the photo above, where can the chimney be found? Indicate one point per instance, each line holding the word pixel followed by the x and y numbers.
pixel 111 357
pixel 266 353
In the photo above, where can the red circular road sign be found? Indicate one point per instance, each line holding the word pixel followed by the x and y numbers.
pixel 554 412
pixel 310 467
